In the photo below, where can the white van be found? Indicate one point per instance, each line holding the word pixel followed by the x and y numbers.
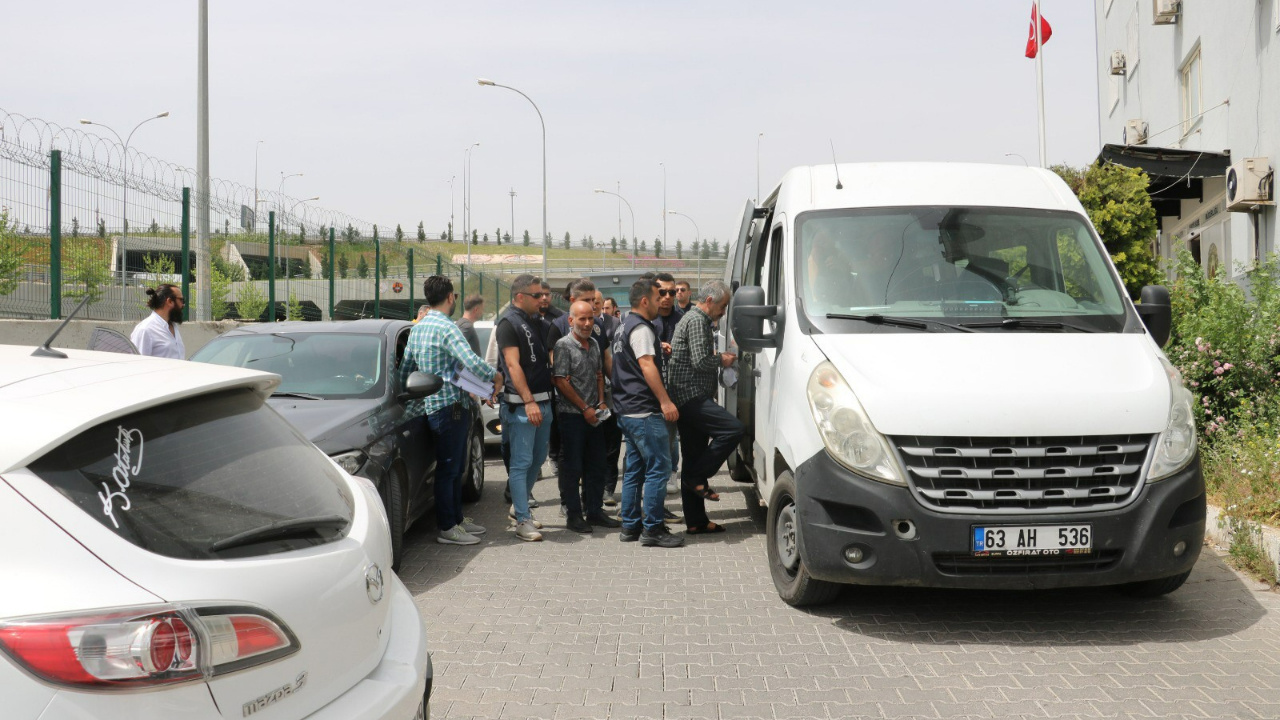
pixel 945 384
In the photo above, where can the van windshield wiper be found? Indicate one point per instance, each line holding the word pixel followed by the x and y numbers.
pixel 1030 323
pixel 878 319
pixel 304 396
pixel 296 527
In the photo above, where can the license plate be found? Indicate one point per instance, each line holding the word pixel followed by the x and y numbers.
pixel 1008 540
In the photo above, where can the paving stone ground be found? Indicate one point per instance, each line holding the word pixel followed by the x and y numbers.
pixel 589 627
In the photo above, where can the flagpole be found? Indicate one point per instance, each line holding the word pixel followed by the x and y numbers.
pixel 1040 80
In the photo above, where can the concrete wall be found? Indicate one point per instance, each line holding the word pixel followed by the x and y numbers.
pixel 1239 47
pixel 76 334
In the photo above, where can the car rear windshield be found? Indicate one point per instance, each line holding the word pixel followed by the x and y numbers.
pixel 210 477
pixel 328 365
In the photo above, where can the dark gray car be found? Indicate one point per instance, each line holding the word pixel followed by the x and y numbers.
pixel 340 387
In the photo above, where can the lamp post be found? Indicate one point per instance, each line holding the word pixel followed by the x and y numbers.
pixel 758 137
pixel 288 285
pixel 124 185
pixel 633 222
pixel 513 215
pixel 466 200
pixel 697 234
pixel 256 148
pixel 664 206
pixel 450 181
pixel 491 83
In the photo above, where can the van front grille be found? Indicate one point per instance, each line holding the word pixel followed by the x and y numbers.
pixel 1020 474
pixel 966 564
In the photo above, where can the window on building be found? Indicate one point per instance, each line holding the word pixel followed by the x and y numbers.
pixel 1191 104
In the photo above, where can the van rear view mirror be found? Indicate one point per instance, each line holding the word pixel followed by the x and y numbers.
pixel 749 312
pixel 1153 308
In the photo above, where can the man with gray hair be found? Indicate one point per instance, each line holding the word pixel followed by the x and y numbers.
pixel 708 433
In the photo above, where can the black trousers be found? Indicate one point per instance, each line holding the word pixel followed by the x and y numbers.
pixel 708 433
pixel 582 461
pixel 612 451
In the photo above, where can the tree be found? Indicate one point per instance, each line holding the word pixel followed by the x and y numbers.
pixel 613 245
pixel 382 267
pixel 640 247
pixel 705 252
pixel 293 310
pixel 344 266
pixel 526 238
pixel 326 264
pixel 155 227
pixel 362 267
pixel 475 237
pixel 250 302
pixel 679 250
pixel 75 227
pixel 657 247
pixel 226 227
pixel 375 234
pixel 624 244
pixel 13 250
pixel 422 232
pixel 497 236
pixel 715 247
pixel 566 241
pixel 102 228
pixel 302 234
pixel 444 236
pixel 506 238
pixel 218 287
pixel 160 265
pixel 450 237
pixel 486 238
pixel 1119 205
pixel 349 234
pixel 84 269
pixel 399 234
pixel 726 251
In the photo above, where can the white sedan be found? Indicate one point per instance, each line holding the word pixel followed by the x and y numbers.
pixel 172 548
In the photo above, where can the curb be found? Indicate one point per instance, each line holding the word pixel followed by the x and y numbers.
pixel 1218 532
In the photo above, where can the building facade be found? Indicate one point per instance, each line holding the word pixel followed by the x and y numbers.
pixel 1188 91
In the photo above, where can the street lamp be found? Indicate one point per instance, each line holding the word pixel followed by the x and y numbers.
pixel 256 148
pixel 124 163
pixel 466 199
pixel 697 234
pixel 284 177
pixel 633 222
pixel 491 83
pixel 288 286
pixel 450 181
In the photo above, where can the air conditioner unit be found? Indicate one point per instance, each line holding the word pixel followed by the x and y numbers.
pixel 1165 12
pixel 1135 132
pixel 1117 63
pixel 1249 184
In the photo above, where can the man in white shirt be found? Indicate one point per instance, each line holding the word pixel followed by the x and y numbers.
pixel 158 334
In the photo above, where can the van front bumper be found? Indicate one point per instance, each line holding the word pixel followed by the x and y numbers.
pixel 839 509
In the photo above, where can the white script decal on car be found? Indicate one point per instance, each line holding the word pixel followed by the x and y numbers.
pixel 123 473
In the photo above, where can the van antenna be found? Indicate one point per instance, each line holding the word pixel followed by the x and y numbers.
pixel 839 185
pixel 46 351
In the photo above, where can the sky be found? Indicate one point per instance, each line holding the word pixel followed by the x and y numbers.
pixel 375 103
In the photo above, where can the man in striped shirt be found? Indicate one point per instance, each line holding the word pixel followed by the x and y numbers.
pixel 437 346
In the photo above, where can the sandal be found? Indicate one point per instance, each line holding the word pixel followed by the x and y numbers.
pixel 705 529
pixel 705 492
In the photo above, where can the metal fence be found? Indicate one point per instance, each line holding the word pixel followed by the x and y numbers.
pixel 81 214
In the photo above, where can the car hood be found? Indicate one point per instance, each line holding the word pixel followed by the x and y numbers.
pixel 333 425
pixel 1007 384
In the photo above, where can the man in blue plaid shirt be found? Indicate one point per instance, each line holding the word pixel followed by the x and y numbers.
pixel 437 346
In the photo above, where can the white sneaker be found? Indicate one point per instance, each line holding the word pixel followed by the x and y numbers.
pixel 456 536
pixel 472 528
pixel 511 513
pixel 528 531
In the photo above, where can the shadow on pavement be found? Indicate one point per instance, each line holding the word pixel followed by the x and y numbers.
pixel 1213 603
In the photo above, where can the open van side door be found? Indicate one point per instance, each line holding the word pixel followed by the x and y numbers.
pixel 740 401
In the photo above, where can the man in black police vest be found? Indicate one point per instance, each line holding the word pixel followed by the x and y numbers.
pixel 526 369
pixel 645 410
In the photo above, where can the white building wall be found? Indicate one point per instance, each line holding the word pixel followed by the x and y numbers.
pixel 1239 49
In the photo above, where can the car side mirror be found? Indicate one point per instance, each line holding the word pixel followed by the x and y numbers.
pixel 1153 307
pixel 749 313
pixel 420 384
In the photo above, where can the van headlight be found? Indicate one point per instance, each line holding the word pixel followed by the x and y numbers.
pixel 1176 446
pixel 846 430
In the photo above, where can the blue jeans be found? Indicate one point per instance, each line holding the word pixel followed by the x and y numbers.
pixel 528 452
pixel 450 434
pixel 648 467
pixel 582 458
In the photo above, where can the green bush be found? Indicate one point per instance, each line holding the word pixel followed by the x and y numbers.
pixel 250 302
pixel 218 286
pixel 13 248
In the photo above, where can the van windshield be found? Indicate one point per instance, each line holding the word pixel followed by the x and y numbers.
pixel 986 269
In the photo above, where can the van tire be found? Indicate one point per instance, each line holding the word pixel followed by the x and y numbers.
pixel 1154 588
pixel 738 470
pixel 782 529
pixel 394 502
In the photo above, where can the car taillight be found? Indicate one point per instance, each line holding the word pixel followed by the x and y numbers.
pixel 144 646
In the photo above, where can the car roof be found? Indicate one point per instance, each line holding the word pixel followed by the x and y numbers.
pixel 908 184
pixel 366 326
pixel 46 401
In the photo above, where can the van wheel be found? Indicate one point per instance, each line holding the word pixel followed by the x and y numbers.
pixel 474 486
pixel 1154 588
pixel 782 539
pixel 395 505
pixel 738 470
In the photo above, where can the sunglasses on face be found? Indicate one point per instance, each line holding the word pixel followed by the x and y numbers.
pixel 535 296
pixel 667 293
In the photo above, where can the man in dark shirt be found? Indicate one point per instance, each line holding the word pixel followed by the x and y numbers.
pixel 684 301
pixel 472 310
pixel 708 433
pixel 668 316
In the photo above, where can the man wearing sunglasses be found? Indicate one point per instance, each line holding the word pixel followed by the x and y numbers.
pixel 526 370
pixel 668 317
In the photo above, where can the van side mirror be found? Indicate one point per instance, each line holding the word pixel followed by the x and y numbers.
pixel 1157 315
pixel 420 384
pixel 749 313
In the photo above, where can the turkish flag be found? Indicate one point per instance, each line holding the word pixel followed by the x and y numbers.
pixel 1046 32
